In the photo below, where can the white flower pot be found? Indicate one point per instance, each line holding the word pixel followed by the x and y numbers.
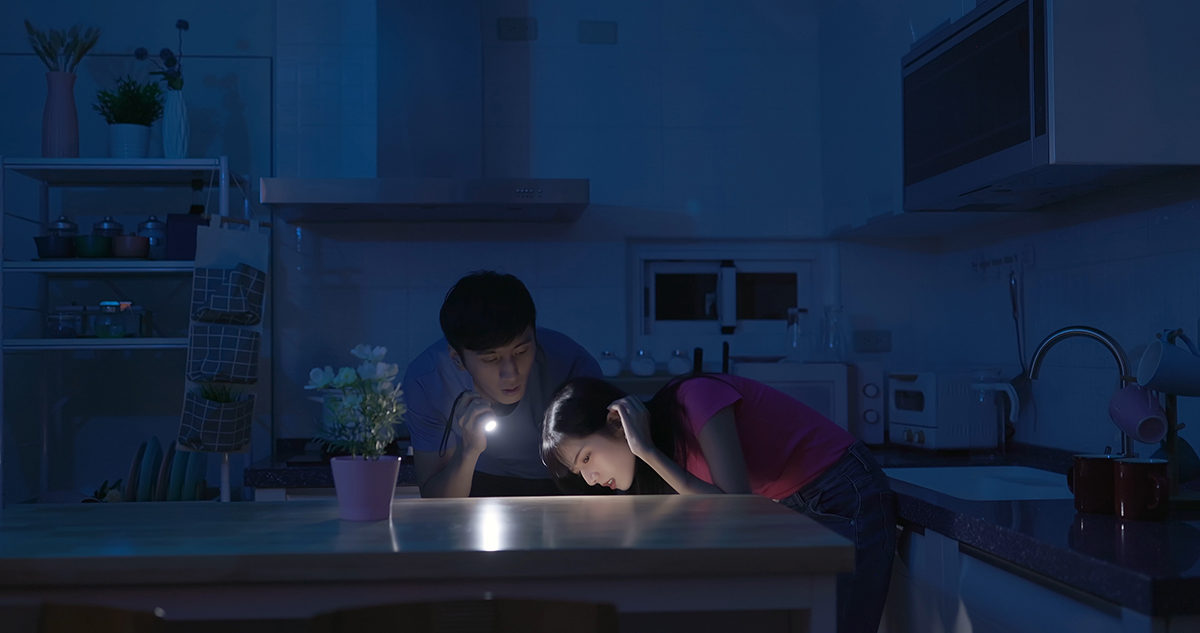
pixel 128 140
pixel 175 129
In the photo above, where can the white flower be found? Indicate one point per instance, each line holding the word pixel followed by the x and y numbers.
pixel 345 377
pixel 319 378
pixel 351 402
pixel 368 353
pixel 375 371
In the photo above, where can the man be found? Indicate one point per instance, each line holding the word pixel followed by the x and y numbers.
pixel 494 365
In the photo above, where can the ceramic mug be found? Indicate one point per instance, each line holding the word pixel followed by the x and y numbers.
pixel 1140 489
pixel 1169 369
pixel 1136 411
pixel 1091 480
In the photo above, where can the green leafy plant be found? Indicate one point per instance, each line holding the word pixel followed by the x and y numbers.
pixel 61 51
pixel 107 492
pixel 218 392
pixel 363 404
pixel 131 102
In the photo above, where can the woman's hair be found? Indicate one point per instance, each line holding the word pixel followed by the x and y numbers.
pixel 579 408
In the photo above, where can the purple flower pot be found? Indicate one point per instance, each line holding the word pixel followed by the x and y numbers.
pixel 365 487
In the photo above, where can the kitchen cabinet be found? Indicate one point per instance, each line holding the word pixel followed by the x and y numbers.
pixel 39 367
pixel 940 584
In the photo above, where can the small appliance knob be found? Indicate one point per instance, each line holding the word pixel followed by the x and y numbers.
pixel 871 390
pixel 871 416
pixel 908 435
pixel 920 437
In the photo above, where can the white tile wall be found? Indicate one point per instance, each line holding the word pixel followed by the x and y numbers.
pixel 1130 276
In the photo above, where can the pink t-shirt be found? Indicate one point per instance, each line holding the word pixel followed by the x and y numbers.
pixel 785 442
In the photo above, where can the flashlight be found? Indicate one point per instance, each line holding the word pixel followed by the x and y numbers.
pixel 490 425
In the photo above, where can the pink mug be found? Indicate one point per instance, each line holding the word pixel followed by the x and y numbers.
pixel 1136 411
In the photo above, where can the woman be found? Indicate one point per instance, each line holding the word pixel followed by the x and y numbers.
pixel 717 433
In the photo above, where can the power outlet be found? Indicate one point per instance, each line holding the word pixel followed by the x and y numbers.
pixel 872 341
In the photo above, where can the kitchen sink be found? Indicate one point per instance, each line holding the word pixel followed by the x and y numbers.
pixel 987 483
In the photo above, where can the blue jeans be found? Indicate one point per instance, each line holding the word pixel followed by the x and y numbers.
pixel 853 499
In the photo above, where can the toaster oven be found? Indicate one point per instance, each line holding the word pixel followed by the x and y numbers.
pixel 942 410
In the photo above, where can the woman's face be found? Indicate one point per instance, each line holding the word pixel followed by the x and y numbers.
pixel 601 459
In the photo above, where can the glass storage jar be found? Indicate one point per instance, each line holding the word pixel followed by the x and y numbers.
pixel 110 323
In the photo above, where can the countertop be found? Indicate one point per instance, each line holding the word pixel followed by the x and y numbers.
pixel 1151 568
pixel 1146 566
pixel 428 539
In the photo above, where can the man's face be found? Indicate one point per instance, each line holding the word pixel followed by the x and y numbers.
pixel 502 373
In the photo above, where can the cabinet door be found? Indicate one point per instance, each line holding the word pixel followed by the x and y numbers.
pixel 994 600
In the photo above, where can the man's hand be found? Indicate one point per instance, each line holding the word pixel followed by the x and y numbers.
pixel 474 414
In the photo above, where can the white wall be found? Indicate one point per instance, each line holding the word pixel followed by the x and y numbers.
pixel 701 122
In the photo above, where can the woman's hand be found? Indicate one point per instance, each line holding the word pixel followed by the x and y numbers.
pixel 635 421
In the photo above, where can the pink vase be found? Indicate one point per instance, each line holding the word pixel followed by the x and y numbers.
pixel 365 487
pixel 60 121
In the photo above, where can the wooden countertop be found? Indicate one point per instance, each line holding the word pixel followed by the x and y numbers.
pixel 427 539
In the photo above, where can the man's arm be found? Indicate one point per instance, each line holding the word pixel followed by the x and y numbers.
pixel 450 475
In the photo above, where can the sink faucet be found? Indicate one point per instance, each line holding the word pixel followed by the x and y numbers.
pixel 1108 341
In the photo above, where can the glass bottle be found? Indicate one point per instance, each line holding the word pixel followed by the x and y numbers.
pixel 157 232
pixel 835 336
pixel 679 363
pixel 643 364
pixel 110 323
pixel 798 344
pixel 610 364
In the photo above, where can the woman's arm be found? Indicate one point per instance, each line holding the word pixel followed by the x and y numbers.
pixel 718 441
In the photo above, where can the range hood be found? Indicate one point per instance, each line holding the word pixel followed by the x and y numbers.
pixel 307 200
pixel 439 157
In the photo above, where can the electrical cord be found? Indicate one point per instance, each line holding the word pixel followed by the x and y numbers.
pixel 449 423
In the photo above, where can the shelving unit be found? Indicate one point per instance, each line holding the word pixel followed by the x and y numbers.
pixel 106 266
pixel 52 173
pixel 66 344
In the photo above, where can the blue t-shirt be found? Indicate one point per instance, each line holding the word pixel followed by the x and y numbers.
pixel 432 382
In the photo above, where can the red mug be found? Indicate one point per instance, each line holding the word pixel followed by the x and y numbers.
pixel 1140 489
pixel 1091 480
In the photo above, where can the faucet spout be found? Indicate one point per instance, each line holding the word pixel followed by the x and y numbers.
pixel 1104 338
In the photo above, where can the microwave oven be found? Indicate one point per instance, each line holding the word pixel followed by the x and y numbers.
pixel 1021 103
pixel 851 395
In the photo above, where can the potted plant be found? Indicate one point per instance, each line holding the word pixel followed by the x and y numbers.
pixel 175 127
pixel 362 406
pixel 61 52
pixel 130 110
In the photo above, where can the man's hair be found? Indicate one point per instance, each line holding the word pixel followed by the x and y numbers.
pixel 485 310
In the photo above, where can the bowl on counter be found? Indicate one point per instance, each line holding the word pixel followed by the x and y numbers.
pixel 132 246
pixel 54 246
pixel 93 246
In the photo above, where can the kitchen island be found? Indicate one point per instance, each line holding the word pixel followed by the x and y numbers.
pixel 206 561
